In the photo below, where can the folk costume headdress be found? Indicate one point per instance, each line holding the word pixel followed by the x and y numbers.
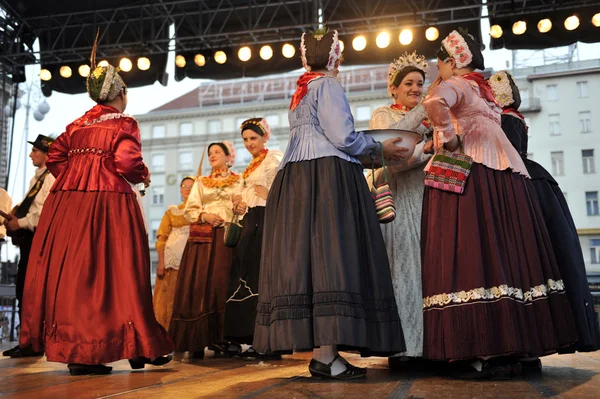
pixel 104 82
pixel 259 126
pixel 319 50
pixel 505 90
pixel 404 65
pixel 461 46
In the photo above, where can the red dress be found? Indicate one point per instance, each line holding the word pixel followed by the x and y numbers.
pixel 88 282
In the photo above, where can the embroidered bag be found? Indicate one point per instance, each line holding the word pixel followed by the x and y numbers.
pixel 233 232
pixel 382 195
pixel 449 171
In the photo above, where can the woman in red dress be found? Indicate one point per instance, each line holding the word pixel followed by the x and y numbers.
pixel 91 298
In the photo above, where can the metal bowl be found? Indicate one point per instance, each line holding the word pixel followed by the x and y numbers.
pixel 414 156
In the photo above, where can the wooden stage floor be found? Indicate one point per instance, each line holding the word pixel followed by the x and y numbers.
pixel 566 376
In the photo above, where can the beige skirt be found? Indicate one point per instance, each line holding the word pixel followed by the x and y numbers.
pixel 164 295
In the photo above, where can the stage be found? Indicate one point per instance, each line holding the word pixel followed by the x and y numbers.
pixel 565 376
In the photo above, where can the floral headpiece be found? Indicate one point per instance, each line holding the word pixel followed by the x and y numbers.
pixel 104 82
pixel 405 60
pixel 258 125
pixel 502 89
pixel 335 51
pixel 231 149
pixel 456 46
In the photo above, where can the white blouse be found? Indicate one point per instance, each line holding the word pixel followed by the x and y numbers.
pixel 263 175
pixel 218 201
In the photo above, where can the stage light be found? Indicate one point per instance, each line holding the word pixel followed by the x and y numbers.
pixel 266 52
pixel 125 64
pixel 199 60
pixel 244 54
pixel 84 70
pixel 496 31
pixel 596 20
pixel 103 63
pixel 359 43
pixel 220 57
pixel 432 33
pixel 406 37
pixel 180 61
pixel 143 63
pixel 65 71
pixel 45 75
pixel 519 27
pixel 383 40
pixel 288 50
pixel 544 25
pixel 572 23
pixel 341 46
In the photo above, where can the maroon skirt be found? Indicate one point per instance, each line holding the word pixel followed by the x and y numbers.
pixel 199 306
pixel 491 284
pixel 89 298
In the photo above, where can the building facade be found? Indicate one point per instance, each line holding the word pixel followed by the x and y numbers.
pixel 558 103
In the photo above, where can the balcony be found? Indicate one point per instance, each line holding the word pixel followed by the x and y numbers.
pixel 530 105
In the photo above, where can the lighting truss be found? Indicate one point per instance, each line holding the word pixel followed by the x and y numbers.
pixel 206 24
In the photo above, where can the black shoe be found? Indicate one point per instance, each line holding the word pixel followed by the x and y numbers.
pixel 318 369
pixel 25 352
pixel 141 362
pixel 250 353
pixel 88 369
pixel 10 351
pixel 531 365
pixel 490 370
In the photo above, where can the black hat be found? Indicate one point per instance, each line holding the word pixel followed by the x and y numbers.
pixel 42 143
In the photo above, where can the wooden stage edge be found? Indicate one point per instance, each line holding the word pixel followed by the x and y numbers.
pixel 564 376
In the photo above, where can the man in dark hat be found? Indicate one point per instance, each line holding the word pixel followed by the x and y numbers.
pixel 24 221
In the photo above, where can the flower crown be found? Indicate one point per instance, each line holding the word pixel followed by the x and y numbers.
pixel 500 83
pixel 405 60
pixel 335 51
pixel 457 48
pixel 263 125
pixel 231 149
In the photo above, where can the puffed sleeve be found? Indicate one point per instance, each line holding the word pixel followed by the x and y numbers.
pixel 272 160
pixel 58 154
pixel 164 229
pixel 438 104
pixel 194 206
pixel 127 148
pixel 335 118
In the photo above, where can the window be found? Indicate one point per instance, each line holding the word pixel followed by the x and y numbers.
pixel 186 160
pixel 363 113
pixel 585 122
pixel 238 122
pixel 595 250
pixel 591 202
pixel 272 120
pixel 158 195
pixel 158 131
pixel 582 89
pixel 554 124
pixel 525 97
pixel 186 129
pixel 552 93
pixel 588 161
pixel 558 163
pixel 154 225
pixel 214 126
pixel 158 162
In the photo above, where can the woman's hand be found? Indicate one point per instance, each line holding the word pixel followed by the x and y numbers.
pixel 147 180
pixel 261 191
pixel 236 200
pixel 240 208
pixel 428 147
pixel 212 219
pixel 392 151
pixel 160 270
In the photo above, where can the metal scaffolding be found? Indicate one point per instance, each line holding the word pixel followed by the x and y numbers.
pixel 205 24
